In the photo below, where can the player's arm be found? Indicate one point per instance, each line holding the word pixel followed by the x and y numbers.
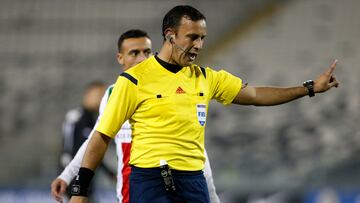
pixel 59 185
pixel 58 188
pixel 72 168
pixel 94 154
pixel 267 96
pixel 210 181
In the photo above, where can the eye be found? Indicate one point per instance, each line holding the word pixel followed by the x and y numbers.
pixel 147 52
pixel 133 52
pixel 194 37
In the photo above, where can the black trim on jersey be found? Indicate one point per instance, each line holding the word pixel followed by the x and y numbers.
pixel 203 70
pixel 128 76
pixel 170 67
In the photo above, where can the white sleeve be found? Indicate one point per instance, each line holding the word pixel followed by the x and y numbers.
pixel 209 180
pixel 72 169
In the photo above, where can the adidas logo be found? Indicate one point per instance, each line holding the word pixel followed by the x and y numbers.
pixel 179 90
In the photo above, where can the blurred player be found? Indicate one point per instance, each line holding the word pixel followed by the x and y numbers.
pixel 79 123
pixel 134 46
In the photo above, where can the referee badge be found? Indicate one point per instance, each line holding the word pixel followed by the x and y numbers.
pixel 201 113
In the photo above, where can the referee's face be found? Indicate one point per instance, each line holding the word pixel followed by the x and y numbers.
pixel 188 41
pixel 134 51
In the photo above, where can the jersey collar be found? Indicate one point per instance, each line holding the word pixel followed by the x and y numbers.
pixel 170 67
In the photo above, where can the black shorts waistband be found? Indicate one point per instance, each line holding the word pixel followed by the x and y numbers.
pixel 173 171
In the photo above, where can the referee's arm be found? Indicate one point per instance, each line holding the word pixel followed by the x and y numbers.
pixel 268 96
pixel 94 154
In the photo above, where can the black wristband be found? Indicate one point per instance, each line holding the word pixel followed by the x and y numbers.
pixel 82 182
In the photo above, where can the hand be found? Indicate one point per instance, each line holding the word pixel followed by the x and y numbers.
pixel 326 80
pixel 58 188
pixel 78 199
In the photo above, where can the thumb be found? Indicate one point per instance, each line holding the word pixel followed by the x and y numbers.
pixel 333 82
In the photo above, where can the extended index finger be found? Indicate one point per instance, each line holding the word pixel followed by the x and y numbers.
pixel 332 67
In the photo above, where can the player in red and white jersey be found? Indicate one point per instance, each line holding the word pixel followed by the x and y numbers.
pixel 134 46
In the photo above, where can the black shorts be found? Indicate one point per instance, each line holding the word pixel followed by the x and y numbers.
pixel 147 185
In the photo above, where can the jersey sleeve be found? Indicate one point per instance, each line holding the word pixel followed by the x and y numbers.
pixel 223 86
pixel 120 106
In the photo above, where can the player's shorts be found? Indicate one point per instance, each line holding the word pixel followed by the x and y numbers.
pixel 147 185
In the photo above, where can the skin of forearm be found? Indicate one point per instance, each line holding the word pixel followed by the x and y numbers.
pixel 95 150
pixel 269 96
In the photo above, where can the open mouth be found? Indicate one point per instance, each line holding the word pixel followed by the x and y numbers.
pixel 192 56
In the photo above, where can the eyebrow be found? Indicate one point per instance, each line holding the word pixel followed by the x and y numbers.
pixel 139 50
pixel 195 35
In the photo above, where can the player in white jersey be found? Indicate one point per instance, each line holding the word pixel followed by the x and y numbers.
pixel 134 46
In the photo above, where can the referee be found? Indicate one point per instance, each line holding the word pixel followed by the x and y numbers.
pixel 134 46
pixel 166 99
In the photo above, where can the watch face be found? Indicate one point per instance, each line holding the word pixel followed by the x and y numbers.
pixel 308 83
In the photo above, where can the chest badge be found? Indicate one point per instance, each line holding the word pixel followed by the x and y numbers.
pixel 201 113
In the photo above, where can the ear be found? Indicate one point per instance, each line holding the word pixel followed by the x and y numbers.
pixel 120 58
pixel 169 34
pixel 169 38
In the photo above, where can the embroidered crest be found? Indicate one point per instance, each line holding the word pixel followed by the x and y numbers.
pixel 201 113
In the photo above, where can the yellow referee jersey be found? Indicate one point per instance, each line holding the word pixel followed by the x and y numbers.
pixel 167 110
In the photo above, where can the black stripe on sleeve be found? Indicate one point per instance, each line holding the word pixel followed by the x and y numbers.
pixel 203 70
pixel 128 76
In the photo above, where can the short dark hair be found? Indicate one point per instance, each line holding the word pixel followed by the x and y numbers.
pixel 94 84
pixel 134 33
pixel 173 17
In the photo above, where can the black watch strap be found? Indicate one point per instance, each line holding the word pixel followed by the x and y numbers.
pixel 309 84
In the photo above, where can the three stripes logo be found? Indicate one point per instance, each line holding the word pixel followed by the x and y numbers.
pixel 179 90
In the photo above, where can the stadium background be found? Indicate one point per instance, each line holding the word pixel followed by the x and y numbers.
pixel 49 50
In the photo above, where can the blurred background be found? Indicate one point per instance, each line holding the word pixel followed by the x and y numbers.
pixel 306 151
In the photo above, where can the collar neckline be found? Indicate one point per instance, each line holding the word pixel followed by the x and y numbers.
pixel 170 67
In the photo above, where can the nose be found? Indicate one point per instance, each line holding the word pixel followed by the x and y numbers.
pixel 198 43
pixel 141 57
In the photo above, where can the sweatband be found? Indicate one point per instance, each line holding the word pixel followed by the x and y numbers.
pixel 82 182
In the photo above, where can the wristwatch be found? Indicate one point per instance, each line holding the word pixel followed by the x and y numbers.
pixel 309 84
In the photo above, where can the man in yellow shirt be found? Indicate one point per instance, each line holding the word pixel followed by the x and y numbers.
pixel 134 46
pixel 166 99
